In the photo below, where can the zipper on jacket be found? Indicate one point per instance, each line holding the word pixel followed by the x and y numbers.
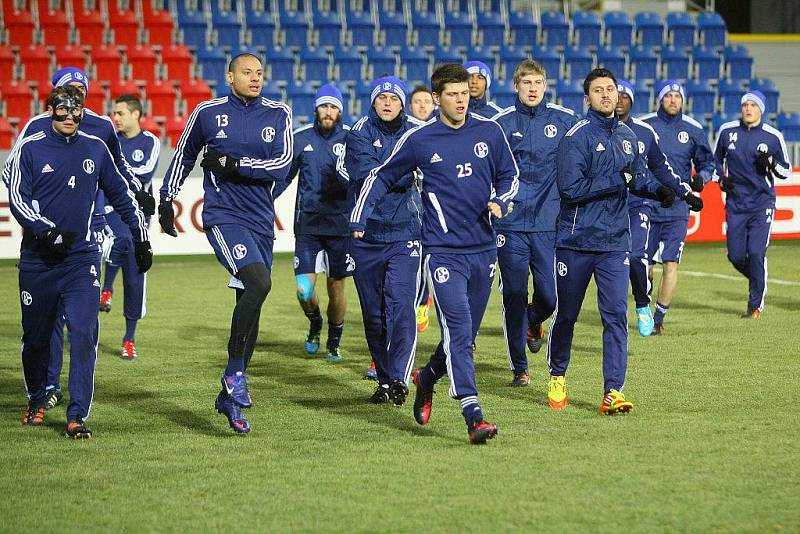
pixel 575 219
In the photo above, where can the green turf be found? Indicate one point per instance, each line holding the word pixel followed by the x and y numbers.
pixel 710 446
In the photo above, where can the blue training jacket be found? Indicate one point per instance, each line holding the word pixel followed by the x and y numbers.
pixel 259 134
pixel 534 134
pixel 594 196
pixel 736 148
pixel 462 170
pixel 321 207
pixel 483 107
pixel 397 214
pixel 53 183
pixel 685 143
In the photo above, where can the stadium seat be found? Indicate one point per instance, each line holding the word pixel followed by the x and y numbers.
pixel 161 98
pixel 503 93
pixel 613 59
pixel 510 57
pixel 159 27
pixel 7 63
pixel 789 125
pixel 644 98
pixel 272 91
pixel 426 28
pixel 458 29
pixel 281 62
pixel 707 62
pixel 702 97
pixel 124 28
pixel 739 62
pixel 675 63
pixel 261 29
pixel 578 62
pixel 524 28
pixel 123 87
pixel 193 27
pixel 195 91
pixel 178 61
pixel 256 6
pixel 721 118
pixel 56 31
pixel 555 29
pixel 18 98
pixel 173 128
pixel 570 94
pixel 712 28
pixel 71 56
pixel 586 25
pixel 446 54
pixel 228 29
pixel 301 97
pixel 382 62
pixel 361 29
pixel 730 95
pixel 222 6
pixel 6 134
pixel 643 63
pixel 294 29
pixel 619 28
pixel 91 30
pixel 416 62
pixel 316 63
pixel 347 64
pixel 771 93
pixel 681 29
pixel 20 28
pixel 213 63
pixel 550 60
pixel 485 55
pixel 142 60
pixel 328 28
pixel 35 60
pixel 650 28
pixel 394 28
pixel 151 125
pixel 363 92
pixel 491 29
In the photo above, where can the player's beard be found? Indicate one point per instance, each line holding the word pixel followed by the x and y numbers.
pixel 325 130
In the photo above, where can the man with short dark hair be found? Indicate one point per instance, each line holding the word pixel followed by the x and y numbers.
pixel 420 103
pixel 246 141
pixel 469 176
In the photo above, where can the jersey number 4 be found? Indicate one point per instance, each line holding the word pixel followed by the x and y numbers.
pixel 71 182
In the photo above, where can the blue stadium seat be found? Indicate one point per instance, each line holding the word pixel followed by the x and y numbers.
pixel 484 54
pixel 301 95
pixel 613 59
pixel 570 94
pixel 491 29
pixel 349 63
pixel 721 118
pixel 361 28
pixel 222 6
pixel 383 62
pixel 789 125
pixel 261 29
pixel 328 28
pixel 394 28
pixel 503 93
pixel 713 30
pixel 650 28
pixel 586 25
pixel 417 63
pixel 525 29
pixel 357 6
pixel 316 63
pixel 213 62
pixel 256 6
pixel 458 27
pixel 446 54
pixel 771 93
pixel 281 62
pixel 427 29
pixel 362 93
pixel 681 28
pixel 675 63
pixel 702 97
pixel 510 56
pixel 739 62
pixel 644 97
pixel 643 63
pixel 189 6
pixel 550 60
pixel 272 91
pixel 578 61
pixel 730 94
pixel 619 28
pixel 290 6
pixel 228 29
pixel 555 28
pixel 707 63
pixel 295 29
pixel 193 25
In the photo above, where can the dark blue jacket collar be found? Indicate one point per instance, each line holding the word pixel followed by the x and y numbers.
pixel 241 102
pixel 607 123
pixel 666 117
pixel 528 110
pixel 61 138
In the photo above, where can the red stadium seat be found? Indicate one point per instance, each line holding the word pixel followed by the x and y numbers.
pixel 162 97
pixel 11 7
pixel 36 61
pixel 159 26
pixel 151 125
pixel 142 60
pixel 7 62
pixel 40 88
pixel 178 61
pixel 91 28
pixel 6 134
pixel 53 25
pixel 107 62
pixel 20 28
pixel 194 92
pixel 125 28
pixel 96 99
pixel 173 128
pixel 71 56
pixel 18 98
pixel 126 87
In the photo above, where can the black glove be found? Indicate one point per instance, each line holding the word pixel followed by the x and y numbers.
pixel 763 162
pixel 166 218
pixel 627 174
pixel 57 242
pixel 665 195
pixel 696 183
pixel 695 203
pixel 726 184
pixel 146 202
pixel 144 255
pixel 219 163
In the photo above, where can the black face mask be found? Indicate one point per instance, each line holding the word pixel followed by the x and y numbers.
pixel 71 106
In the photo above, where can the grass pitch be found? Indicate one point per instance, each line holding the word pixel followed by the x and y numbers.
pixel 710 446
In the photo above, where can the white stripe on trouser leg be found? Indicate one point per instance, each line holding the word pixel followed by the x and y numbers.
pixel 553 318
pixel 224 247
pixel 505 329
pixel 94 365
pixel 144 296
pixel 412 357
pixel 766 277
pixel 445 329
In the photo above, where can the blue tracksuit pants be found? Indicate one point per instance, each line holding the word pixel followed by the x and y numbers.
pixel 640 236
pixel 574 270
pixel 76 284
pixel 387 280
pixel 748 239
pixel 518 253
